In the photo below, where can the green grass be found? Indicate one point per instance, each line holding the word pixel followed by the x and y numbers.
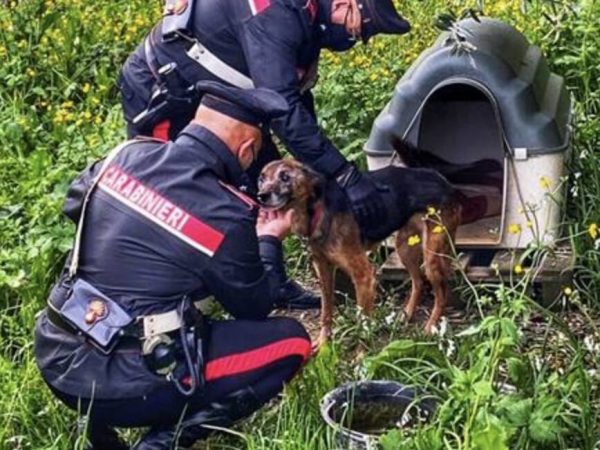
pixel 59 111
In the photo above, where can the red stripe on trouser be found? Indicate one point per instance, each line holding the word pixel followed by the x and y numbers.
pixel 161 130
pixel 255 359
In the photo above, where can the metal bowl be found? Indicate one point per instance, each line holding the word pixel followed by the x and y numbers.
pixel 360 412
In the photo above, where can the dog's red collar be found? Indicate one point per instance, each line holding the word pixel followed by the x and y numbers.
pixel 315 218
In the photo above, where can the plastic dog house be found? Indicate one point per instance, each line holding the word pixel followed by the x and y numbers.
pixel 488 95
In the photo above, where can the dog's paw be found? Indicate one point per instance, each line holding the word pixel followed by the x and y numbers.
pixel 406 315
pixel 322 340
pixel 436 327
pixel 430 329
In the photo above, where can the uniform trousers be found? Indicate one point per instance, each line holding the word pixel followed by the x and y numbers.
pixel 238 354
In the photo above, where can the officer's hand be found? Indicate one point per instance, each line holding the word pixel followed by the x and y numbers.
pixel 365 197
pixel 276 223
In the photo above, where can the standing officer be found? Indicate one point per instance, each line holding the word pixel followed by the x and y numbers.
pixel 263 43
pixel 161 225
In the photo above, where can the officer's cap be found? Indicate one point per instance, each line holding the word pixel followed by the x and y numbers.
pixel 252 106
pixel 380 16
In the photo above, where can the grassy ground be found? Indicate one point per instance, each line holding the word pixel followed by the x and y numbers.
pixel 59 110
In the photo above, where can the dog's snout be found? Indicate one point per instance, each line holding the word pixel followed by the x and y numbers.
pixel 263 197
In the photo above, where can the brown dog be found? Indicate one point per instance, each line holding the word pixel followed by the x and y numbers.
pixel 322 214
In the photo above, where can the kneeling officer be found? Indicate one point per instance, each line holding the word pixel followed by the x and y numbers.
pixel 160 226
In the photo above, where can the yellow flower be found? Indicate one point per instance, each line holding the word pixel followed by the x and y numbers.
pixel 414 240
pixel 545 182
pixel 593 230
pixel 86 88
pixel 514 228
pixel 518 269
pixel 431 211
pixel 567 291
pixel 438 229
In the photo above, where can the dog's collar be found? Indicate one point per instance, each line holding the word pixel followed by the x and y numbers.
pixel 315 214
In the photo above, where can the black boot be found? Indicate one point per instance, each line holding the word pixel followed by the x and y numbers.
pixel 99 437
pixel 221 414
pixel 294 296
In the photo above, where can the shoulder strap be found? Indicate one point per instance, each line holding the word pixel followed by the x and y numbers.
pixel 76 246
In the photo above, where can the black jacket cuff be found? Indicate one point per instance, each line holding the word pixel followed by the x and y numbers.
pixel 271 254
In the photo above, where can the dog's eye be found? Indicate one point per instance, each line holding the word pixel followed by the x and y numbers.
pixel 283 176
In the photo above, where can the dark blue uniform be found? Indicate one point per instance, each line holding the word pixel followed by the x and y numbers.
pixel 272 44
pixel 275 43
pixel 167 220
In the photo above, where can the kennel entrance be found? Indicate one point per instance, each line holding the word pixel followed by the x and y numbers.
pixel 458 133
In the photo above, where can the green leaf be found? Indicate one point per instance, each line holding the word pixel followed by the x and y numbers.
pixel 391 440
pixel 490 437
pixel 405 348
pixel 515 410
pixel 544 426
pixel 518 371
pixel 483 388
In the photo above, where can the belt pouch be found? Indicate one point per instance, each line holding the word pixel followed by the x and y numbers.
pixel 99 318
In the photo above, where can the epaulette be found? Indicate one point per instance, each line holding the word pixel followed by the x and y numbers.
pixel 239 194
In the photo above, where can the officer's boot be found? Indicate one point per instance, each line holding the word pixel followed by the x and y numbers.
pixel 291 294
pixel 294 296
pixel 220 414
pixel 99 437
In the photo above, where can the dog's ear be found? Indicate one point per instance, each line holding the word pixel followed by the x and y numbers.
pixel 316 180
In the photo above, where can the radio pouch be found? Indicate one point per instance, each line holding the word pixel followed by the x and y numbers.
pixel 95 315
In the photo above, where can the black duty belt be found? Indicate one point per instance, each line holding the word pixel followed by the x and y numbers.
pixel 131 335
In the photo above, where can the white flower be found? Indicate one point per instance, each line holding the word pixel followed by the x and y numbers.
pixel 583 154
pixel 590 344
pixel 574 190
pixel 389 319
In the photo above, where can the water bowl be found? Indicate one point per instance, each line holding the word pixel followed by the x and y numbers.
pixel 360 412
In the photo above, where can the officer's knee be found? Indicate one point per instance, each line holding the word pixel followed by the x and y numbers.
pixel 287 328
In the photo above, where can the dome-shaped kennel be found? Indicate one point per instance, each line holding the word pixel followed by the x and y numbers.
pixel 492 107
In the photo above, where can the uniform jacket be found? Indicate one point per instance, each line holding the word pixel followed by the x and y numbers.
pixel 274 42
pixel 164 221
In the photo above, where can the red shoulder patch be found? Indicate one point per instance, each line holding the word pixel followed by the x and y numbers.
pixel 243 197
pixel 312 8
pixel 258 6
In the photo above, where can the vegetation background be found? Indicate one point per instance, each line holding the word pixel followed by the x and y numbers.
pixel 59 110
